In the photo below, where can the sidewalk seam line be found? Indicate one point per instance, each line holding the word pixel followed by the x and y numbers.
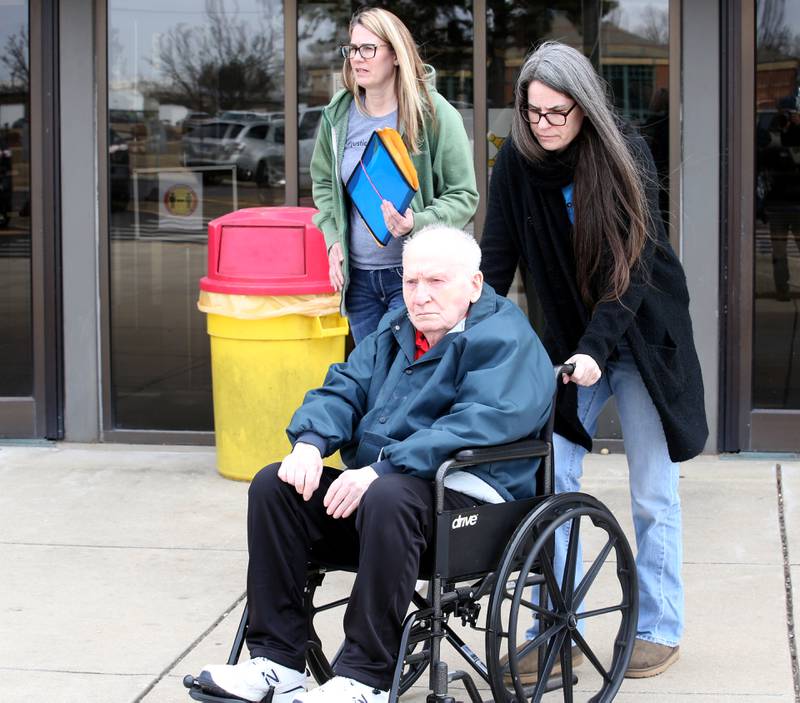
pixel 186 651
pixel 787 581
pixel 73 545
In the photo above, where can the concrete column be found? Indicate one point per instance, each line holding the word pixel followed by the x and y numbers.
pixel 699 237
pixel 79 191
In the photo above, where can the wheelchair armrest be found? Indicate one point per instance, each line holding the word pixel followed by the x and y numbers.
pixel 502 452
pixel 524 449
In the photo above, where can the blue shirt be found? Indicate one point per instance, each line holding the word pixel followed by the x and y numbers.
pixel 567 192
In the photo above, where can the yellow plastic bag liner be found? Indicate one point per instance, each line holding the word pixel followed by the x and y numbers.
pixel 262 307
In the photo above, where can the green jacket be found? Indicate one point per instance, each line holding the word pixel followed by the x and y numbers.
pixel 447 191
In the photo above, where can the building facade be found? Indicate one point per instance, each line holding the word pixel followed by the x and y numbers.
pixel 126 125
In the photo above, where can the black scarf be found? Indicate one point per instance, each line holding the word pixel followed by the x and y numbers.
pixel 552 258
pixel 549 237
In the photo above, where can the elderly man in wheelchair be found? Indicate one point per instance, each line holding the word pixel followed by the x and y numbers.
pixel 459 382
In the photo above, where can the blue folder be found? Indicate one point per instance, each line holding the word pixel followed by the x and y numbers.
pixel 377 177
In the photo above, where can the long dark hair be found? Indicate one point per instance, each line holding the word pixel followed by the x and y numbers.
pixel 612 218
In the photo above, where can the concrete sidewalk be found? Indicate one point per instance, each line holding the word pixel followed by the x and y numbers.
pixel 123 570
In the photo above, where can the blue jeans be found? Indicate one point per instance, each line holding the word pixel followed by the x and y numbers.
pixel 370 295
pixel 655 503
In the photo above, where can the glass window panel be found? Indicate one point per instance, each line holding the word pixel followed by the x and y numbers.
pixel 634 59
pixel 322 27
pixel 512 29
pixel 16 330
pixel 185 80
pixel 776 192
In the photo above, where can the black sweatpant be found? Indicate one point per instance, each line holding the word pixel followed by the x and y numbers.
pixel 384 538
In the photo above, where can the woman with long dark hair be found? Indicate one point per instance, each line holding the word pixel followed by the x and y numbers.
pixel 574 196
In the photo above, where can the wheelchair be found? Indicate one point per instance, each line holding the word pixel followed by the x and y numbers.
pixel 505 552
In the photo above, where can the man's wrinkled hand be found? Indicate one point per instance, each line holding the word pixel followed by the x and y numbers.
pixel 302 469
pixel 345 492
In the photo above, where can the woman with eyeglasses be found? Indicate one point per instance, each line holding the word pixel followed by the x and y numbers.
pixel 574 196
pixel 386 85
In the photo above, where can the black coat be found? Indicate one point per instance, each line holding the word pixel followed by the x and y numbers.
pixel 527 219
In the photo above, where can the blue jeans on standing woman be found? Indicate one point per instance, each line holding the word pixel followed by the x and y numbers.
pixel 370 295
pixel 655 503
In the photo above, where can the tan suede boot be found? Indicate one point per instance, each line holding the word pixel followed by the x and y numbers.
pixel 650 659
pixel 529 666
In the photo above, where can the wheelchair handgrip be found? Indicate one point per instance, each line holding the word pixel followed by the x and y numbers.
pixel 503 452
pixel 568 369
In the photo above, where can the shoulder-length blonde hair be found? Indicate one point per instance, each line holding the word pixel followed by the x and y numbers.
pixel 414 100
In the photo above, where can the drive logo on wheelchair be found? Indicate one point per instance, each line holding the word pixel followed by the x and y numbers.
pixel 464 521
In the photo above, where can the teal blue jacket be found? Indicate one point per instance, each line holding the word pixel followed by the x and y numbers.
pixel 447 191
pixel 491 384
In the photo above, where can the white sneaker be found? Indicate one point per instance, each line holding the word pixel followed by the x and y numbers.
pixel 251 680
pixel 343 690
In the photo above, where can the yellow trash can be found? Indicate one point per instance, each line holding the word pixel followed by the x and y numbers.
pixel 274 329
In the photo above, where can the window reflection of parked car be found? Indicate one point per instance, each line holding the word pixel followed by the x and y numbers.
pixel 260 153
pixel 307 128
pixel 212 144
pixel 194 120
pixel 6 185
pixel 119 171
pixel 245 115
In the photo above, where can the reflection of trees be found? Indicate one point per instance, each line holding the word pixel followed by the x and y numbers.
pixel 773 34
pixel 443 29
pixel 225 64
pixel 514 28
pixel 654 25
pixel 15 58
pixel 317 33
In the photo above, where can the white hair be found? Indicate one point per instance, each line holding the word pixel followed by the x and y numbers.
pixel 460 246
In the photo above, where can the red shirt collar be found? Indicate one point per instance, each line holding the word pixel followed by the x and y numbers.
pixel 421 345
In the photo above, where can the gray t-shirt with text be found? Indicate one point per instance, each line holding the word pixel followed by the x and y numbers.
pixel 365 252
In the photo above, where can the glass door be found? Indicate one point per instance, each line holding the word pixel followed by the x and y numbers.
pixel 195 129
pixel 28 363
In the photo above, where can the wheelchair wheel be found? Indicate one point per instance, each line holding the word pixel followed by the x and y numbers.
pixel 593 613
pixel 321 666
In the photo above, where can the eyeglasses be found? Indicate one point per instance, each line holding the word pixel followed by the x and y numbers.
pixel 557 119
pixel 366 51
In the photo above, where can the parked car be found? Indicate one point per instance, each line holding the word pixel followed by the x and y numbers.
pixel 307 129
pixel 193 120
pixel 214 143
pixel 249 115
pixel 260 154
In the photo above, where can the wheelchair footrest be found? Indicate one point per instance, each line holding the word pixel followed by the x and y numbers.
pixel 469 684
pixel 207 692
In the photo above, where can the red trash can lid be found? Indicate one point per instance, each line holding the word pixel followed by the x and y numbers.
pixel 266 251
